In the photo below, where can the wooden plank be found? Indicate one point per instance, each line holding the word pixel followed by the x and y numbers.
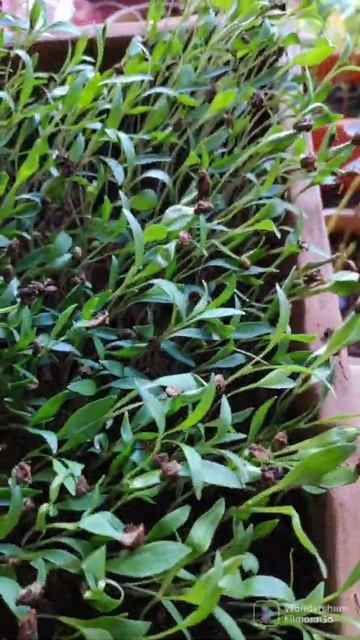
pixel 338 519
pixel 343 221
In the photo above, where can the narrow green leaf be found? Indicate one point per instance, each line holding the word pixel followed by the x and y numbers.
pixel 202 408
pixel 259 418
pixel 62 320
pixel 9 521
pixel 103 523
pixel 170 523
pixel 225 98
pixel 284 316
pixel 90 414
pixel 313 56
pixel 266 587
pixel 94 566
pixel 83 387
pixel 138 238
pixel 203 530
pixel 117 627
pixel 195 466
pixel 50 408
pixel 117 170
pixel 228 624
pixel 149 560
pixel 298 530
pixel 9 592
pixel 311 469
pixel 155 408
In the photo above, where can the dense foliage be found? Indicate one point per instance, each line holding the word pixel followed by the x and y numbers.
pixel 152 391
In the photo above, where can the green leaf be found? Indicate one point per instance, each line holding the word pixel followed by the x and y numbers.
pixel 155 233
pixel 49 436
pixel 344 283
pixel 31 163
pixel 155 408
pixel 174 294
pixel 203 530
pixel 202 408
pixel 194 462
pixel 103 523
pixel 4 179
pixel 222 100
pixel 182 381
pixel 224 5
pixel 264 529
pixel 298 530
pixel 211 314
pixel 149 560
pixel 9 592
pixel 336 435
pixel 50 407
pixel 225 418
pixel 62 320
pixel 9 521
pixel 311 469
pixel 220 476
pixel 228 624
pixel 94 566
pixel 258 419
pixel 117 170
pixel 95 634
pixel 322 50
pixel 91 414
pixel 127 146
pixel 350 581
pixel 250 330
pixel 77 148
pixel 117 627
pixel 265 587
pixel 230 362
pixel 138 238
pixel 347 333
pixel 170 523
pixel 177 616
pixel 144 201
pixel 277 379
pixel 178 217
pixel 284 316
pixel 224 295
pixel 83 387
pixel 205 593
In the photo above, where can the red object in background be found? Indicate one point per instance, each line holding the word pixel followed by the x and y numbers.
pixel 344 82
pixel 96 11
pixel 344 77
pixel 345 130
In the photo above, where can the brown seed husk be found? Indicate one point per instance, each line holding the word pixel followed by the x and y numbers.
pixel 22 473
pixel 100 320
pixel 28 626
pixel 31 596
pixel 204 185
pixel 185 238
pixel 280 441
pixel 173 392
pixel 220 382
pixel 133 536
pixel 259 452
pixel 203 207
pixel 170 470
pixel 82 487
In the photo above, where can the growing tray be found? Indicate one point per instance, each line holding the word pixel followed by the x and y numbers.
pixel 338 517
